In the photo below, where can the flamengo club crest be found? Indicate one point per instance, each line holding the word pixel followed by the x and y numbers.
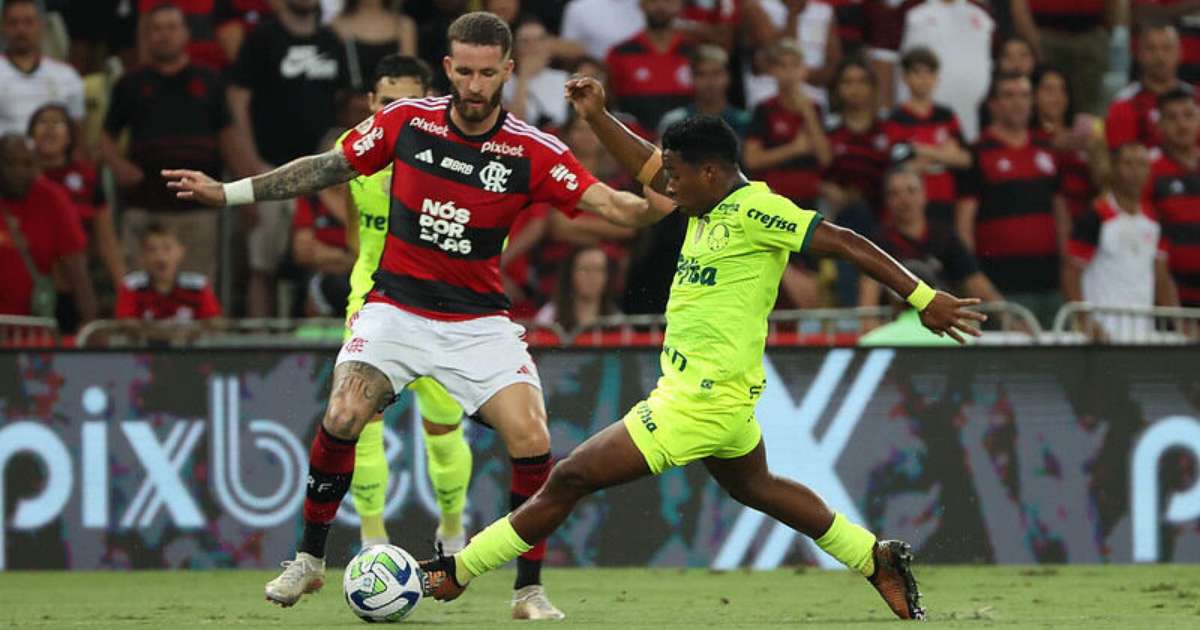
pixel 495 177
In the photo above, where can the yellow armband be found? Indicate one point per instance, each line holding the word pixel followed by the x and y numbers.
pixel 921 296
pixel 650 168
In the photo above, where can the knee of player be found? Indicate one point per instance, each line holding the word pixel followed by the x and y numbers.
pixel 571 476
pixel 344 419
pixel 532 440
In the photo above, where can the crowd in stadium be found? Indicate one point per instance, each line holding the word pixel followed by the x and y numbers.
pixel 1034 151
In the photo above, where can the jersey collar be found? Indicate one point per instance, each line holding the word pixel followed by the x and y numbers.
pixel 477 137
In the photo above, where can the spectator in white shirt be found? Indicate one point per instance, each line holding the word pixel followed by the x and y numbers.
pixel 536 93
pixel 813 25
pixel 29 78
pixel 960 33
pixel 598 25
pixel 1117 256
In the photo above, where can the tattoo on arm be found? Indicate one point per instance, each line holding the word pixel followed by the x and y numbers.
pixel 358 380
pixel 304 176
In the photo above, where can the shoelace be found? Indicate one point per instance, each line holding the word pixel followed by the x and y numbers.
pixel 292 577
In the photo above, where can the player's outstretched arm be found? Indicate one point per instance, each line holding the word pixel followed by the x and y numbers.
pixel 302 176
pixel 941 312
pixel 625 208
pixel 632 152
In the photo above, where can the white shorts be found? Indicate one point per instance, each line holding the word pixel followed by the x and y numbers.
pixel 472 359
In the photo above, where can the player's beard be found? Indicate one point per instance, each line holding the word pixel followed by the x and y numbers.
pixel 476 115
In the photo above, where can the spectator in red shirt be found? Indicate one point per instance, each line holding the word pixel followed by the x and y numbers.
pixel 1076 137
pixel 858 141
pixel 1183 14
pixel 1133 115
pixel 925 136
pixel 54 142
pixel 650 73
pixel 319 247
pixel 162 292
pixel 786 144
pixel 1175 190
pixel 1011 215
pixel 38 229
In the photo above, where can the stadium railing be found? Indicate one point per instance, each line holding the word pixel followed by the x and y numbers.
pixel 28 332
pixel 1081 322
pixel 1010 324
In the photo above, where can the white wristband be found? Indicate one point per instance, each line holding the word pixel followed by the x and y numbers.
pixel 239 193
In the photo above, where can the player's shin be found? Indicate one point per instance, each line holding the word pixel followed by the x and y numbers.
pixel 529 475
pixel 330 467
pixel 369 484
pixel 850 544
pixel 449 462
pixel 491 548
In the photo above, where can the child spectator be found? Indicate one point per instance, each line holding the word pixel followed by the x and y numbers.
pixel 925 135
pixel 319 247
pixel 1116 255
pixel 786 145
pixel 162 291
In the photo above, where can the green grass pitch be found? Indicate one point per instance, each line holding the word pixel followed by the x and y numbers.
pixel 1155 596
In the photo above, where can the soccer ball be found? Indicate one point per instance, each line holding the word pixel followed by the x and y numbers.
pixel 381 584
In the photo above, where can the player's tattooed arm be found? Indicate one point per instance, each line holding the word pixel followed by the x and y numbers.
pixel 304 176
pixel 297 178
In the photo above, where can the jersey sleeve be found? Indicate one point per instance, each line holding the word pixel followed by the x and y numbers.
pixel 208 307
pixel 305 217
pixel 119 107
pixel 126 306
pixel 1085 236
pixel 70 238
pixel 773 222
pixel 1121 124
pixel 758 124
pixel 371 145
pixel 559 180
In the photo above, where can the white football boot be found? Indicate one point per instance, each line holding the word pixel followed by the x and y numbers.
pixel 304 575
pixel 452 544
pixel 530 602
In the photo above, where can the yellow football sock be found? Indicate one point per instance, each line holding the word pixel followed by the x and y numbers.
pixel 489 549
pixel 369 483
pixel 852 545
pixel 449 462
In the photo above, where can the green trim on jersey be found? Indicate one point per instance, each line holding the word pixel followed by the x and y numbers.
pixel 726 283
pixel 372 198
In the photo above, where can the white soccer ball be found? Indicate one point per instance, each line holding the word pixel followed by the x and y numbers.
pixel 381 583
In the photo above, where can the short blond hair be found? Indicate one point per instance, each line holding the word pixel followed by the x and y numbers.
pixel 783 48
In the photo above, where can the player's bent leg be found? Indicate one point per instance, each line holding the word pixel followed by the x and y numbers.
pixel 518 414
pixel 886 564
pixel 606 459
pixel 359 392
pixel 368 486
pixel 448 458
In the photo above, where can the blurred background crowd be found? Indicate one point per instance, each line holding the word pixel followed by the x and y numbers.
pixel 1034 151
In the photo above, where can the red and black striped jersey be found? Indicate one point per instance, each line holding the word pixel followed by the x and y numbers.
pixel 649 82
pixel 1174 191
pixel 1075 175
pixel 799 179
pixel 191 298
pixel 1015 234
pixel 859 159
pixel 907 127
pixel 454 198
pixel 1074 16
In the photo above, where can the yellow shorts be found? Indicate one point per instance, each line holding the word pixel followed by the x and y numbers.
pixel 669 433
pixel 433 401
